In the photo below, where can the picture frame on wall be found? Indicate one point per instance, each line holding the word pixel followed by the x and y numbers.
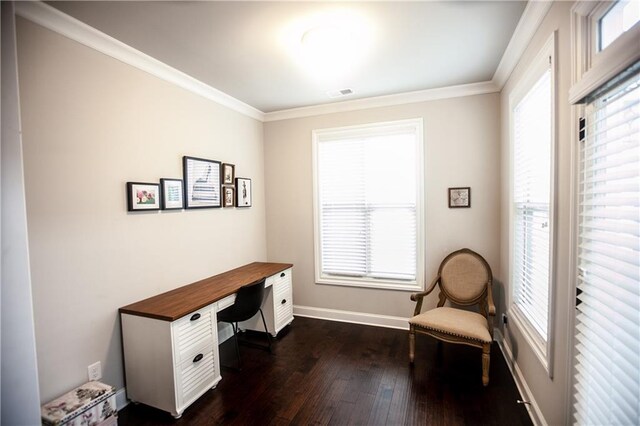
pixel 460 197
pixel 243 192
pixel 172 194
pixel 143 196
pixel 201 183
pixel 228 196
pixel 228 173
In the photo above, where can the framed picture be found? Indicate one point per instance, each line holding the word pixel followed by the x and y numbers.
pixel 228 173
pixel 459 197
pixel 228 196
pixel 143 196
pixel 201 183
pixel 172 196
pixel 243 192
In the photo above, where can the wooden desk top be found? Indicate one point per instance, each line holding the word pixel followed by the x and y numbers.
pixel 177 303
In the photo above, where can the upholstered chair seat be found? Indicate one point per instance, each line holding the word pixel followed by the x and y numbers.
pixel 464 278
pixel 455 323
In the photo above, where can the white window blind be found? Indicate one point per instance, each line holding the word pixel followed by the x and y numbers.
pixel 367 210
pixel 607 354
pixel 532 134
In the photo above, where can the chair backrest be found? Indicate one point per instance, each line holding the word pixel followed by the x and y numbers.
pixel 248 301
pixel 464 275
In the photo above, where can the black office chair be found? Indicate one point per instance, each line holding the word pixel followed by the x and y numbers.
pixel 247 304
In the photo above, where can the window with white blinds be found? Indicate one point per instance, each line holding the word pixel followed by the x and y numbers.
pixel 368 185
pixel 607 351
pixel 532 208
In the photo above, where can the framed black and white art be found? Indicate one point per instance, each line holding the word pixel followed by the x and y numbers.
pixel 201 183
pixel 243 192
pixel 459 197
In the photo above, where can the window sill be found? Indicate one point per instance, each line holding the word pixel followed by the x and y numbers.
pixel 378 284
pixel 539 347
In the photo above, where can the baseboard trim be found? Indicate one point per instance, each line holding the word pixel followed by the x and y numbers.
pixel 351 317
pixel 534 409
pixel 225 332
pixel 121 399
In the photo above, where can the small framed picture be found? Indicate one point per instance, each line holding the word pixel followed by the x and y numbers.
pixel 228 173
pixel 143 196
pixel 243 192
pixel 459 197
pixel 172 197
pixel 201 183
pixel 228 196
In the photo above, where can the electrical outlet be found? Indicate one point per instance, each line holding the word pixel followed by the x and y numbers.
pixel 95 371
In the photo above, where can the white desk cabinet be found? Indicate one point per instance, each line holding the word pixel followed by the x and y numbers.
pixel 170 341
pixel 277 306
pixel 169 365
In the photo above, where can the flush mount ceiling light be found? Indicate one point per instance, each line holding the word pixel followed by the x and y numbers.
pixel 329 45
pixel 328 41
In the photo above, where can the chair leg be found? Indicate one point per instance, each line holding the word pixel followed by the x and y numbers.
pixel 486 349
pixel 235 335
pixel 412 343
pixel 265 329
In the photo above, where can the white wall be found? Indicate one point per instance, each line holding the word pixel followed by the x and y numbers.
pixel 90 124
pixel 20 397
pixel 550 394
pixel 461 149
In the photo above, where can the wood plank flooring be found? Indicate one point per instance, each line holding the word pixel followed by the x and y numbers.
pixel 331 373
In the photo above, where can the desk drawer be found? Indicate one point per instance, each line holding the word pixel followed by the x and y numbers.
pixel 196 375
pixel 192 333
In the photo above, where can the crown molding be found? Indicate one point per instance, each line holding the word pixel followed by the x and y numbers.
pixel 531 18
pixel 385 101
pixel 61 23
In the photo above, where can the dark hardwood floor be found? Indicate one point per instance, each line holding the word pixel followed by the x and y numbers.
pixel 324 372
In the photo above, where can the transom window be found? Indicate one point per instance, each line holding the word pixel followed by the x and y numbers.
pixel 620 18
pixel 368 205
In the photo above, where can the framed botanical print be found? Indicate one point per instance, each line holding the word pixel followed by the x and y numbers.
pixel 228 196
pixel 459 197
pixel 228 173
pixel 143 196
pixel 201 183
pixel 243 192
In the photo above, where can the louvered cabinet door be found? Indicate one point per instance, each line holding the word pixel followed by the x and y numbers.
pixel 168 365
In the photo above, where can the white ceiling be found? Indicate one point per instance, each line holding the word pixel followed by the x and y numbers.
pixel 237 47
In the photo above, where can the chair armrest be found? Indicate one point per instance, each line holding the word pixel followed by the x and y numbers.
pixel 417 297
pixel 491 307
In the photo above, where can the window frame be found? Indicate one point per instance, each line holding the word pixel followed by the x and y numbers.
pixel 586 77
pixel 369 282
pixel 542 349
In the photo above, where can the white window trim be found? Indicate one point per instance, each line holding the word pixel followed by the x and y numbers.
pixel 543 351
pixel 592 68
pixel 376 283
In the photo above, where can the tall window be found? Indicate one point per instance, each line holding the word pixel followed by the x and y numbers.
pixel 368 209
pixel 606 94
pixel 532 214
pixel 607 354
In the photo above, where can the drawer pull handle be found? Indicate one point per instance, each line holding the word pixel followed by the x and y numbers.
pixel 283 301
pixel 282 274
pixel 195 317
pixel 198 358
